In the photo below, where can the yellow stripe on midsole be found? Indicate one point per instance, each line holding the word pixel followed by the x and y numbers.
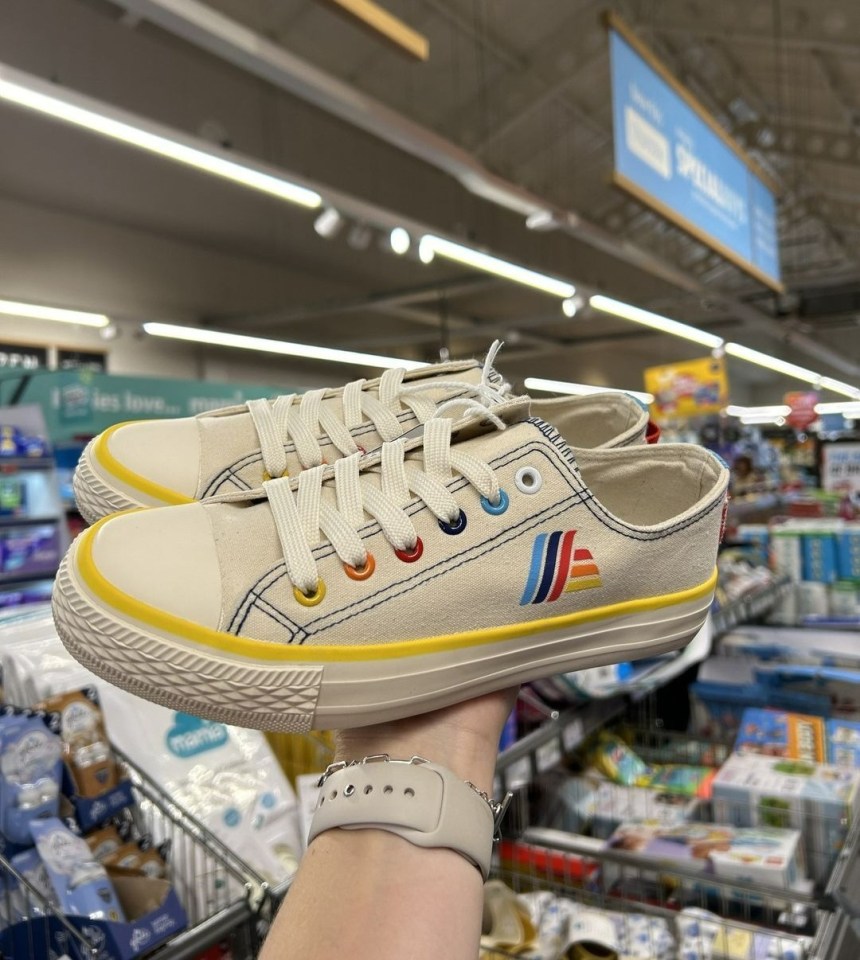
pixel 101 451
pixel 261 650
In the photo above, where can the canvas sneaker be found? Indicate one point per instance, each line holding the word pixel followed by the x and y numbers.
pixel 161 462
pixel 395 583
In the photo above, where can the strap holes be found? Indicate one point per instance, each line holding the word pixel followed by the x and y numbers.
pixel 409 792
pixel 349 790
pixel 333 794
pixel 388 789
pixel 368 789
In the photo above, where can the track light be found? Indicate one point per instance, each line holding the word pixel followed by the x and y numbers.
pixel 628 312
pixel 570 307
pixel 540 220
pixel 431 247
pixel 33 311
pixel 308 351
pixel 581 389
pixel 399 241
pixel 329 223
pixel 52 100
pixel 776 410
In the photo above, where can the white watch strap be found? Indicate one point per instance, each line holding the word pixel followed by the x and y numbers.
pixel 419 801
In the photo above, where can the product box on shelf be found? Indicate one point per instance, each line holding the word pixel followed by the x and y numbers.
pixel 153 914
pixel 843 743
pixel 786 556
pixel 818 553
pixel 820 800
pixel 777 733
pixel 840 686
pixel 848 552
pixel 768 855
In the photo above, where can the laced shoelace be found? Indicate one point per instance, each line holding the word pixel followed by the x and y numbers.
pixel 304 519
pixel 302 419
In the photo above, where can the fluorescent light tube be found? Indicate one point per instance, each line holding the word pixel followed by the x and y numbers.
pixel 221 338
pixel 762 419
pixel 562 386
pixel 14 309
pixel 772 363
pixel 431 246
pixel 845 407
pixel 55 101
pixel 837 386
pixel 628 312
pixel 776 410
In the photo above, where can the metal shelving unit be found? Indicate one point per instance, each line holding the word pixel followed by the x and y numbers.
pixel 750 607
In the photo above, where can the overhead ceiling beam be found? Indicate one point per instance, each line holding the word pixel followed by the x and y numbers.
pixel 206 28
pixel 383 25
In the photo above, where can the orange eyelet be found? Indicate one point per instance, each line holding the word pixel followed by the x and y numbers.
pixel 310 599
pixel 361 573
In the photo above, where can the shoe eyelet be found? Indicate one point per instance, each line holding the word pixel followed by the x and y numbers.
pixel 410 556
pixel 496 508
pixel 360 449
pixel 528 480
pixel 458 526
pixel 267 476
pixel 361 573
pixel 310 599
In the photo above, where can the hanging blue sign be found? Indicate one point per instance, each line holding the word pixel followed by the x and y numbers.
pixel 672 156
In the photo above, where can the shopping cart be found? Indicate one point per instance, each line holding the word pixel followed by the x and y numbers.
pixel 222 896
pixel 790 924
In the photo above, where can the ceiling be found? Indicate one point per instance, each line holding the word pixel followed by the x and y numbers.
pixel 524 96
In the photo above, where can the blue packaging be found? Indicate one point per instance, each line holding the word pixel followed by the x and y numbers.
pixel 818 553
pixel 30 774
pixel 80 883
pixel 848 553
pixel 843 743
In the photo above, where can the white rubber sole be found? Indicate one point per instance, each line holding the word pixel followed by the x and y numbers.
pixel 94 495
pixel 298 697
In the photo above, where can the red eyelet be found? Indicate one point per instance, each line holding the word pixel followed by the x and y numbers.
pixel 361 573
pixel 410 556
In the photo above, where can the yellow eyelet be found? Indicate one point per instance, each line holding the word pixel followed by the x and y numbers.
pixel 310 599
pixel 267 476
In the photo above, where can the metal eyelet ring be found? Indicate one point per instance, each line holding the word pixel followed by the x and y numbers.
pixel 528 480
pixel 458 526
pixel 267 476
pixel 363 572
pixel 410 556
pixel 310 599
pixel 361 449
pixel 496 508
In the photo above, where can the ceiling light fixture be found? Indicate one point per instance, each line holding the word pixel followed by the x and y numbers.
pixel 13 308
pixel 628 312
pixel 540 220
pixel 772 363
pixel 74 108
pixel 838 386
pixel 762 419
pixel 776 410
pixel 399 241
pixel 329 223
pixel 581 389
pixel 569 307
pixel 431 246
pixel 846 408
pixel 308 351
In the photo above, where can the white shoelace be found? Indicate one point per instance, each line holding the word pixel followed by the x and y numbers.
pixel 301 419
pixel 303 518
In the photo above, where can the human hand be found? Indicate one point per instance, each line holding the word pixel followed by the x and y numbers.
pixel 464 737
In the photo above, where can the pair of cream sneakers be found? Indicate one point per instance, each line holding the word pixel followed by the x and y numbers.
pixel 360 555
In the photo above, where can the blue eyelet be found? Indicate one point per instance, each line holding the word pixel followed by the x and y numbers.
pixel 458 526
pixel 496 508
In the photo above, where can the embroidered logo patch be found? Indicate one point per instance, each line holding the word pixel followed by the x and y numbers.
pixel 558 568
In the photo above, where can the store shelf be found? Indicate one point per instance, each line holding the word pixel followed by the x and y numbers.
pixel 545 747
pixel 751 606
pixel 14 579
pixel 7 521
pixel 27 463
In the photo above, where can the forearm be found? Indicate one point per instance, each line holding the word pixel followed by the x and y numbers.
pixel 371 895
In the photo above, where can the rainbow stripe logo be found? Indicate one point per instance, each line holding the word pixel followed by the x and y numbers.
pixel 558 568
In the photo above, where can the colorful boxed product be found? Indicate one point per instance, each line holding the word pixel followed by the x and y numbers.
pixel 776 733
pixel 767 855
pixel 785 552
pixel 843 743
pixel 818 552
pixel 820 800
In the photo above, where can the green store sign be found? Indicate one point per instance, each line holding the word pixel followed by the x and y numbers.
pixel 83 402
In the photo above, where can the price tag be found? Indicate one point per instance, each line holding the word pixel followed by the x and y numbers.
pixel 573 734
pixel 519 773
pixel 548 755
